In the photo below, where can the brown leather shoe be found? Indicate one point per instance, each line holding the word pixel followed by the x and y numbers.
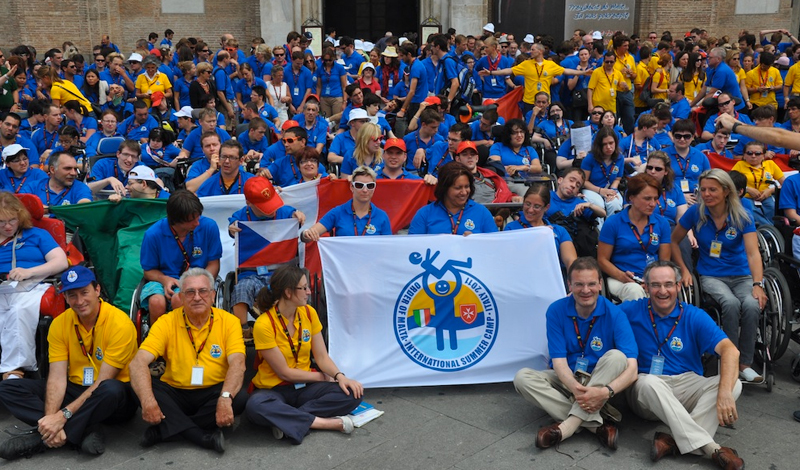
pixel 663 445
pixel 728 459
pixel 548 436
pixel 607 435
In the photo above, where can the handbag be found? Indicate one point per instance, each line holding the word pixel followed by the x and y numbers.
pixel 579 98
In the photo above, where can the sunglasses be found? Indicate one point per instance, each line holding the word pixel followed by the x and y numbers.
pixel 376 139
pixel 609 61
pixel 99 60
pixel 654 168
pixel 359 185
pixel 597 113
pixel 290 140
pixel 750 153
pixel 724 104
pixel 682 136
pixel 206 51
pixel 279 55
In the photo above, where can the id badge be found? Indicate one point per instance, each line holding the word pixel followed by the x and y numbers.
pixel 613 93
pixel 582 364
pixel 296 91
pixel 197 375
pixel 299 386
pixel 327 90
pixel 716 249
pixel 539 86
pixel 657 365
pixel 262 270
pixel 684 186
pixel 757 203
pixel 494 82
pixel 88 376
pixel 391 83
pixel 764 94
pixel 650 258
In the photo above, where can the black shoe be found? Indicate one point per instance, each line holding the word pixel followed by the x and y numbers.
pixel 797 415
pixel 93 443
pixel 22 446
pixel 215 441
pixel 152 436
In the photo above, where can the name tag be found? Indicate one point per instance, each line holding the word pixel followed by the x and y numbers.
pixel 716 249
pixel 582 364
pixel 494 81
pixel 657 365
pixel 299 386
pixel 197 375
pixel 296 91
pixel 684 186
pixel 327 90
pixel 88 376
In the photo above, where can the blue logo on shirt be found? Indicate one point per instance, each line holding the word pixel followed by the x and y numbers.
pixel 370 229
pixel 695 169
pixel 469 224
pixel 215 351
pixel 98 353
pixel 306 335
pixel 731 233
pixel 197 252
pixel 670 203
pixel 445 319
pixel 676 344
pixel 596 344
pixel 654 239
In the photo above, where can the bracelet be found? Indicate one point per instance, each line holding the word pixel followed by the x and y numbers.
pixel 337 375
pixel 734 127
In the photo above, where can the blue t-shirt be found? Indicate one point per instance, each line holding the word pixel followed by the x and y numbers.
pixel 708 147
pixel 403 176
pixel 33 151
pixel 560 233
pixel 694 335
pixel 723 78
pixel 667 204
pixel 274 153
pixel 106 168
pixel 330 82
pixel 182 87
pixel 223 83
pixel 298 84
pixel 600 174
pixel 213 186
pixel 743 140
pixel 508 156
pixel 93 142
pixel 248 145
pixel 192 143
pixel 167 154
pixel 349 164
pixel 88 124
pixel 493 86
pixel 732 260
pixel 790 193
pixel 244 89
pixel 31 248
pixel 160 250
pixel 610 330
pixel 317 134
pixel 553 130
pixel 71 195
pixel 41 140
pixel 629 149
pixel 134 131
pixel 352 64
pixel 343 222
pixel 437 156
pixel 16 185
pixel 418 71
pixel 414 142
pixel 285 171
pixel 435 218
pixel 342 144
pixel 566 206
pixel 633 251
pixel 681 110
pixel 689 168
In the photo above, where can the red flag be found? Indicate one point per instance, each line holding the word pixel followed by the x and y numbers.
pixel 508 105
pixel 718 161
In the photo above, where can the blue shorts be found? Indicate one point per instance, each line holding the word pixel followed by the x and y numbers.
pixel 153 288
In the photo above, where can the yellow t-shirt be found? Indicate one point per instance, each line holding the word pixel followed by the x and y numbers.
pixel 660 80
pixel 604 88
pixel 641 76
pixel 757 78
pixel 268 333
pixel 65 90
pixel 169 338
pixel 769 171
pixel 159 83
pixel 112 340
pixel 793 79
pixel 537 77
pixel 740 75
pixel 692 87
pixel 620 64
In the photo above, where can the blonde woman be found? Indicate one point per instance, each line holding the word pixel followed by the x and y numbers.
pixel 367 151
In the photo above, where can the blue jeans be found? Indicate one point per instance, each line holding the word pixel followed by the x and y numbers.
pixel 740 310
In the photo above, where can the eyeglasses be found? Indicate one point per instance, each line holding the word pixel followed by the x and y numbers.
pixel 309 61
pixel 227 158
pixel 536 207
pixel 581 285
pixel 658 285
pixel 128 155
pixel 750 153
pixel 205 51
pixel 306 161
pixel 230 49
pixel 290 140
pixel 682 136
pixel 10 221
pixel 609 61
pixel 597 113
pixel 724 104
pixel 654 168
pixel 204 292
pixel 359 185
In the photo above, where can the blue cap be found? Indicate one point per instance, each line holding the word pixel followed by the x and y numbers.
pixel 76 277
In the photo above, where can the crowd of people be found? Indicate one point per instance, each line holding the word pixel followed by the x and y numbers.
pixel 181 121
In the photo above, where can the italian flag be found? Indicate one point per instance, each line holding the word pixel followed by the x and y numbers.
pixel 422 316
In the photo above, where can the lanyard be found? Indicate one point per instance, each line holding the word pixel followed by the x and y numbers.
pixel 607 175
pixel 639 237
pixel 646 148
pixel 660 207
pixel 191 336
pixel 763 78
pixel 682 167
pixel 716 235
pixel 83 347
pixel 578 333
pixel 228 189
pixel 47 192
pixel 17 189
pixel 539 72
pixel 295 351
pixel 48 144
pixel 186 259
pixel 453 223
pixel 760 181
pixel 655 328
pixel 479 178
pixel 369 220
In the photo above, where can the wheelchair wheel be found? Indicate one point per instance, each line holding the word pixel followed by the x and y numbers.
pixel 796 368
pixel 770 244
pixel 227 291
pixel 775 329
pixel 691 294
pixel 138 315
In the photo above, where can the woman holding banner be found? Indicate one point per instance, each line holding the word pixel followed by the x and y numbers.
pixel 287 394
pixel 356 217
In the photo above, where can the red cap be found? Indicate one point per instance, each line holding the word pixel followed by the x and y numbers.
pixel 433 100
pixel 289 124
pixel 489 101
pixel 467 144
pixel 156 53
pixel 259 192
pixel 156 98
pixel 313 96
pixel 395 143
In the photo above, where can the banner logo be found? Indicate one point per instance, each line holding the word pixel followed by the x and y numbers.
pixel 445 318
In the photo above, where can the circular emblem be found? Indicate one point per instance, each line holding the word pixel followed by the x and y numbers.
pixel 654 239
pixel 695 169
pixel 731 233
pixel 596 344
pixel 445 318
pixel 98 354
pixel 526 161
pixel 676 344
pixel 215 351
pixel 469 224
pixel 670 203
pixel 72 276
pixel 197 252
pixel 371 229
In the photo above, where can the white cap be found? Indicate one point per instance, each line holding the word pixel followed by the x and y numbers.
pixel 357 113
pixel 12 150
pixel 359 44
pixel 144 173
pixel 135 57
pixel 401 40
pixel 367 65
pixel 529 39
pixel 368 46
pixel 503 39
pixel 185 112
pixel 489 27
pixel 597 35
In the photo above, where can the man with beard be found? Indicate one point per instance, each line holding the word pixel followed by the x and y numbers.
pixel 61 188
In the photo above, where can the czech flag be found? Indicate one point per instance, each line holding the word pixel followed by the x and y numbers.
pixel 266 243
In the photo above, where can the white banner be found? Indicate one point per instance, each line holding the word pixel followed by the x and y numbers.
pixel 439 309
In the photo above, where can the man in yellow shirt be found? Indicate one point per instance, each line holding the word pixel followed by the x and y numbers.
pixel 604 84
pixel 642 74
pixel 763 81
pixel 204 350
pixel 90 346
pixel 626 66
pixel 539 74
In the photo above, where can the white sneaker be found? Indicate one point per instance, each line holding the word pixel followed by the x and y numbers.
pixel 347 424
pixel 277 433
pixel 749 375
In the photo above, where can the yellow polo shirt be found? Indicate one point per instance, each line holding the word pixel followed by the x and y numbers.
pixel 604 88
pixel 537 77
pixel 793 79
pixel 757 78
pixel 620 64
pixel 692 88
pixel 268 333
pixel 112 340
pixel 769 172
pixel 641 76
pixel 169 338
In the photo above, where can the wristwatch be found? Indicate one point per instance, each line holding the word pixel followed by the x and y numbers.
pixel 66 412
pixel 225 395
pixel 735 126
pixel 759 284
pixel 610 391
